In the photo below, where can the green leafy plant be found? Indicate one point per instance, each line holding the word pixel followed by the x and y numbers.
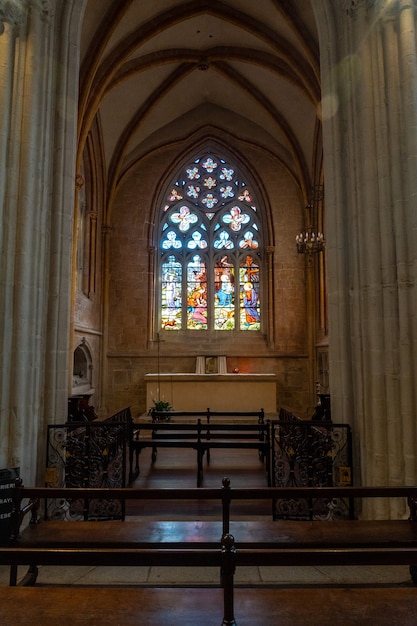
pixel 161 406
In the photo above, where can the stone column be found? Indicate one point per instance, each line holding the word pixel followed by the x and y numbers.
pixel 9 22
pixel 36 207
pixel 405 204
pixel 368 55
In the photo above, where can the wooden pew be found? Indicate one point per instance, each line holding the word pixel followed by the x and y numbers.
pixel 201 435
pixel 209 416
pixel 49 606
pixel 273 543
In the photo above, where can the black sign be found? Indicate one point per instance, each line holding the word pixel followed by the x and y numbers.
pixel 7 482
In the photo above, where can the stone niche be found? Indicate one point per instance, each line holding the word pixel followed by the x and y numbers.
pixel 82 371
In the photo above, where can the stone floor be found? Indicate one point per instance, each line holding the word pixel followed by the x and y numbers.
pixel 206 576
pixel 195 577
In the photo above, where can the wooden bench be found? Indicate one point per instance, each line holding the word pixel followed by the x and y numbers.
pixel 209 416
pixel 108 606
pixel 200 436
pixel 223 417
pixel 227 544
pixel 49 606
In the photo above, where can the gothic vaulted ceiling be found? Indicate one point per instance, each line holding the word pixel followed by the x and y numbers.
pixel 155 71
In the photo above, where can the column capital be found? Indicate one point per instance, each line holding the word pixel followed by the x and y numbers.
pixel 354 7
pixel 14 12
pixel 43 7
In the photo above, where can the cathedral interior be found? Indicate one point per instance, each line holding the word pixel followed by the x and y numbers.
pixel 223 185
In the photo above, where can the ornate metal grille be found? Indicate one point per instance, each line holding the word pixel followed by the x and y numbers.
pixel 311 454
pixel 86 455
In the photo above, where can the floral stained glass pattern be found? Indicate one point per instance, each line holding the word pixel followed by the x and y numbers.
pixel 210 250
pixel 184 219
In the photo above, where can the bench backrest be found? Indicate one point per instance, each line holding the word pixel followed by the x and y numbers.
pixel 224 495
pixel 203 431
pixel 207 415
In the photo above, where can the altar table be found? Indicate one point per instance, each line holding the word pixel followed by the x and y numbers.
pixel 219 392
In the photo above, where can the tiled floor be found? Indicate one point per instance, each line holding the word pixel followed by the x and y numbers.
pixel 177 468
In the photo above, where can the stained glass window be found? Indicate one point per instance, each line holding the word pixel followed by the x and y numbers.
pixel 210 250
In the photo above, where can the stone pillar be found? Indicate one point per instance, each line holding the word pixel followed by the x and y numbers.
pixel 9 21
pixel 405 201
pixel 36 206
pixel 370 134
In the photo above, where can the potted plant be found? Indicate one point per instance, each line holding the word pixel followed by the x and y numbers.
pixel 160 406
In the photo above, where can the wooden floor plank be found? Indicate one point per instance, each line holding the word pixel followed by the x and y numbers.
pixel 177 468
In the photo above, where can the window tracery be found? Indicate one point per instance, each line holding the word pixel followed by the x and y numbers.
pixel 210 250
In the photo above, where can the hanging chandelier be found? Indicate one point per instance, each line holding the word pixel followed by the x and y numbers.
pixel 311 240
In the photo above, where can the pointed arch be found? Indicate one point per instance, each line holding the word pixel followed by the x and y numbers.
pixel 210 245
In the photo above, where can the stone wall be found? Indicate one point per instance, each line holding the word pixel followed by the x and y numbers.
pixel 130 335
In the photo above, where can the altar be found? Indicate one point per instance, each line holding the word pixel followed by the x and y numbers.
pixel 218 391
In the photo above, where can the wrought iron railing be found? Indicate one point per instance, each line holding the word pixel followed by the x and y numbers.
pixel 83 454
pixel 311 454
